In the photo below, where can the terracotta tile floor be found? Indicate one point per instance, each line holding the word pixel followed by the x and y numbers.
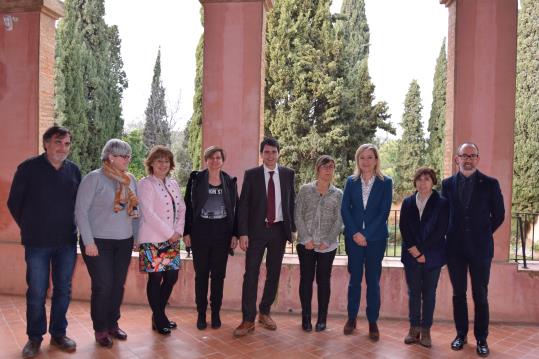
pixel 289 341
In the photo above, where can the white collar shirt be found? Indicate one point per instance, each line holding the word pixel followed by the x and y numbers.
pixel 421 204
pixel 366 189
pixel 277 183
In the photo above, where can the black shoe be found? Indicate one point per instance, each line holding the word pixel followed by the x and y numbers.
pixel 201 321
pixel 482 348
pixel 215 320
pixel 374 332
pixel 31 349
pixel 162 331
pixel 172 325
pixel 306 323
pixel 103 339
pixel 458 343
pixel 118 333
pixel 64 343
pixel 320 326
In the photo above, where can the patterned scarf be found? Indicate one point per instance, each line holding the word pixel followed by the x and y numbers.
pixel 124 195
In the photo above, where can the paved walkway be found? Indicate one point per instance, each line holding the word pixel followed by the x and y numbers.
pixel 289 341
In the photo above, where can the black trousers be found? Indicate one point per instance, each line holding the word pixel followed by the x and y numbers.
pixel 158 290
pixel 311 264
pixel 273 239
pixel 108 272
pixel 210 243
pixel 479 274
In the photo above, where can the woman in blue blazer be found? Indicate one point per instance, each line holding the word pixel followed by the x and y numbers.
pixel 365 207
pixel 423 224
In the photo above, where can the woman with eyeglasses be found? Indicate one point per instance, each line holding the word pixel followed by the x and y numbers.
pixel 106 212
pixel 318 221
pixel 161 228
pixel 365 207
pixel 211 198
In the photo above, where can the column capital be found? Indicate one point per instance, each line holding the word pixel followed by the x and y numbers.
pixel 268 4
pixel 446 2
pixel 52 8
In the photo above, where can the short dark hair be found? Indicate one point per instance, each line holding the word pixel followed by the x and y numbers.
pixel 210 151
pixel 427 172
pixel 55 131
pixel 268 141
pixel 159 152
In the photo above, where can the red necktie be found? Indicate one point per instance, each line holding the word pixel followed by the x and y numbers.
pixel 270 208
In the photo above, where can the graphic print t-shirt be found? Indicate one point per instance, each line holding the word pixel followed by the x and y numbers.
pixel 214 208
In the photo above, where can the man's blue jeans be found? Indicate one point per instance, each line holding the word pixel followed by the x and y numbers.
pixel 41 262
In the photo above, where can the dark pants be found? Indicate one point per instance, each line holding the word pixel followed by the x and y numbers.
pixel 422 284
pixel 370 258
pixel 210 243
pixel 108 272
pixel 158 290
pixel 41 262
pixel 273 239
pixel 313 263
pixel 479 274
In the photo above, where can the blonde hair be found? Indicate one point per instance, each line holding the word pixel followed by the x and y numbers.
pixel 365 147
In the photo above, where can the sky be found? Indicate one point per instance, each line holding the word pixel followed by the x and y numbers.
pixel 405 38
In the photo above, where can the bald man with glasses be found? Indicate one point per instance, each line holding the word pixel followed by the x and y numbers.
pixel 476 212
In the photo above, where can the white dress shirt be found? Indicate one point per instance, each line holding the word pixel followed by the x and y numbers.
pixel 277 183
pixel 421 203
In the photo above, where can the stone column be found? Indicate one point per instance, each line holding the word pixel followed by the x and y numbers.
pixel 233 98
pixel 482 47
pixel 27 45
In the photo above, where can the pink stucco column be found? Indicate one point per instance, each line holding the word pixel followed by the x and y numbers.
pixel 233 98
pixel 482 45
pixel 27 43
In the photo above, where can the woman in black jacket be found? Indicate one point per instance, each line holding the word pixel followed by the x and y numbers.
pixel 210 230
pixel 423 223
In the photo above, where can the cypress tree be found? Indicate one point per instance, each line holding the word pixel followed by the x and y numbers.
pixel 526 161
pixel 156 126
pixel 359 116
pixel 435 148
pixel 303 90
pixel 412 145
pixel 194 126
pixel 89 80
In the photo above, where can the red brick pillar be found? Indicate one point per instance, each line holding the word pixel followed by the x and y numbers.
pixel 27 43
pixel 233 98
pixel 482 47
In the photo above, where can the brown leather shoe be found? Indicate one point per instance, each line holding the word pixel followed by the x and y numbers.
pixel 412 336
pixel 244 328
pixel 349 327
pixel 267 322
pixel 374 333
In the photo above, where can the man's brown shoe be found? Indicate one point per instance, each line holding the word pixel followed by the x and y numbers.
pixel 267 322
pixel 349 327
pixel 374 333
pixel 244 328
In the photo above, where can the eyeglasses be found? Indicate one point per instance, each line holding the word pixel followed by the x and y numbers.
pixel 469 157
pixel 125 157
pixel 328 166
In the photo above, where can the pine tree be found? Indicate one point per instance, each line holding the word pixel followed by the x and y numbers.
pixel 303 91
pixel 435 148
pixel 412 145
pixel 89 80
pixel 526 161
pixel 139 151
pixel 359 118
pixel 156 126
pixel 194 126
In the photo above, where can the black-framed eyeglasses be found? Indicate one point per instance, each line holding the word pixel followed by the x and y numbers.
pixel 125 157
pixel 469 157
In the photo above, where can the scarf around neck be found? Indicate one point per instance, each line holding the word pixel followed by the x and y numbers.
pixel 124 197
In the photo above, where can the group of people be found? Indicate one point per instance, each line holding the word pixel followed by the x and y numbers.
pixel 113 215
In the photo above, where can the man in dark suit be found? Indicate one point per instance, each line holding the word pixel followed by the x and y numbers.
pixel 266 221
pixel 476 211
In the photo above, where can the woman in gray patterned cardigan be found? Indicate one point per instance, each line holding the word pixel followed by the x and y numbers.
pixel 318 220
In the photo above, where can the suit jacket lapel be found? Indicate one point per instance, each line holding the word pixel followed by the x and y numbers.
pixel 455 192
pixel 260 180
pixel 282 180
pixel 373 195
